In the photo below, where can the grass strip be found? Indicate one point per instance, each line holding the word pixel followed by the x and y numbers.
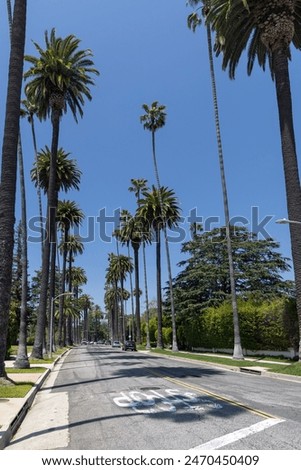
pixel 19 390
pixel 31 370
pixel 293 368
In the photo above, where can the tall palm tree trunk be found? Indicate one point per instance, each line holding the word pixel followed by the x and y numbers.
pixel 69 339
pixel 146 298
pixel 37 351
pixel 290 163
pixel 39 192
pixel 172 305
pixel 62 290
pixel 122 317
pixel 132 300
pixel 137 291
pixel 237 352
pixel 159 294
pixel 9 170
pixel 22 361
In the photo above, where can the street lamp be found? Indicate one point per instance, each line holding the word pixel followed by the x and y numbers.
pixel 53 299
pixel 287 221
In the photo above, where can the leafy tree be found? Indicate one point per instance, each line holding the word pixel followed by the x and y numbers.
pixel 267 30
pixel 204 279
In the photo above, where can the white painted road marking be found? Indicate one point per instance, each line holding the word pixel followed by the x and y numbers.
pixel 237 435
pixel 168 400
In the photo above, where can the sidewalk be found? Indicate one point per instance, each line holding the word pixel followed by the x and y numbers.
pixel 13 410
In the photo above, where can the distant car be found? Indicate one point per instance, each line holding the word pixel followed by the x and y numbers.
pixel 116 344
pixel 129 345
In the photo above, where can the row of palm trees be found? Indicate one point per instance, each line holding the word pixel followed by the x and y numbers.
pixel 156 211
pixel 154 214
pixel 59 79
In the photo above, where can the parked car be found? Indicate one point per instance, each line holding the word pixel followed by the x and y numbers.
pixel 129 345
pixel 116 344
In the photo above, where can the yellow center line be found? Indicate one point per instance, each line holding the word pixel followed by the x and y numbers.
pixel 214 395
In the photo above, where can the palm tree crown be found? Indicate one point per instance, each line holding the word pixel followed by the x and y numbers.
pixel 67 172
pixel 159 213
pixel 68 215
pixel 60 76
pixel 261 27
pixel 154 117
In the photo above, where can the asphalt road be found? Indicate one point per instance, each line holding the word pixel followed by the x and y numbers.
pixel 101 398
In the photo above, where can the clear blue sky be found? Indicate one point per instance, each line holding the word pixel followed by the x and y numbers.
pixel 145 52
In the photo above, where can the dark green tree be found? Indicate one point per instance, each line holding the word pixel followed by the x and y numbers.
pixel 204 279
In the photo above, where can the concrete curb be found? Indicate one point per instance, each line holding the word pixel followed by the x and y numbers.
pixel 8 430
pixel 244 370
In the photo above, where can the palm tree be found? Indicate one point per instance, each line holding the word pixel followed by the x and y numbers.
pixel 159 212
pixel 138 186
pixel 60 79
pixel 67 172
pixel 67 177
pixel 74 247
pixel 78 278
pixel 131 232
pixel 153 120
pixel 193 21
pixel 9 169
pixel 85 302
pixel 267 29
pixel 68 216
pixel 21 361
pixel 119 267
pixel 111 307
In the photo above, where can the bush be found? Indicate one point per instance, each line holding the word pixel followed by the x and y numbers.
pixel 269 325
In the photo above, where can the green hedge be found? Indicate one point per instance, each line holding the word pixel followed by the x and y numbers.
pixel 269 325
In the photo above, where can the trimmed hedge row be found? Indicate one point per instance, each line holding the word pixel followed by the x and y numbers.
pixel 270 325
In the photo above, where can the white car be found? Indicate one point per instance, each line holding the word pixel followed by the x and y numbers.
pixel 116 344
